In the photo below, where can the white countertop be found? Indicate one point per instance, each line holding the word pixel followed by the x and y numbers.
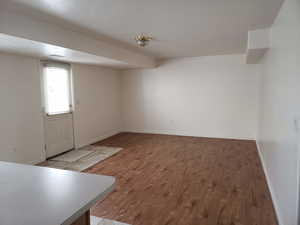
pixel 32 195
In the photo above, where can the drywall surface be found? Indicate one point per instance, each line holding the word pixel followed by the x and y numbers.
pixel 21 128
pixel 202 96
pixel 96 116
pixel 279 136
pixel 97 103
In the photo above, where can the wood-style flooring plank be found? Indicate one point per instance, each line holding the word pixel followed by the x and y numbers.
pixel 175 180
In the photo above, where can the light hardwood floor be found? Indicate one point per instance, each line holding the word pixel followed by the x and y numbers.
pixel 173 180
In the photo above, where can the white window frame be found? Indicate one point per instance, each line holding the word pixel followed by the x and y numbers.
pixel 66 66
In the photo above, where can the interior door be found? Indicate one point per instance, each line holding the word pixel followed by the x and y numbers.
pixel 58 117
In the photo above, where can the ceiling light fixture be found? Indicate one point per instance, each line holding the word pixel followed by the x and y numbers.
pixel 142 40
pixel 57 56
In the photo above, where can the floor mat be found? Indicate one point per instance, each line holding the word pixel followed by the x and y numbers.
pixel 81 159
pixel 72 156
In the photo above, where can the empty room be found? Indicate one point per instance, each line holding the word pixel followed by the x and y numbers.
pixel 163 112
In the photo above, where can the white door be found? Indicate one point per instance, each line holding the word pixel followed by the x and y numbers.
pixel 58 117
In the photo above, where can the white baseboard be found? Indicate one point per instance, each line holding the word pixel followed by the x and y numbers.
pixel 97 139
pixel 271 189
pixel 184 134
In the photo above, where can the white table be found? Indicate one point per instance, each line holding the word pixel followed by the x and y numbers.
pixel 32 195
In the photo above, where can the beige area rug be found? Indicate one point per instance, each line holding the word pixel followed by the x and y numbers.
pixel 99 221
pixel 72 156
pixel 81 159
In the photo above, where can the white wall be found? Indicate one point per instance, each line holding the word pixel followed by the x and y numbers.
pixel 97 103
pixel 21 125
pixel 280 112
pixel 97 112
pixel 203 96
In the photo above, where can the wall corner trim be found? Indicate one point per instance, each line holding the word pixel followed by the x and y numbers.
pixel 270 186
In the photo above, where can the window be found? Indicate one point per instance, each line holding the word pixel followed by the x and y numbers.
pixel 57 89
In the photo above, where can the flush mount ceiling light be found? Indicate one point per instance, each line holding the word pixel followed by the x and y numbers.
pixel 142 40
pixel 56 55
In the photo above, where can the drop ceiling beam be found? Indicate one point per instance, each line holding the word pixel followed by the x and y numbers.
pixel 27 27
pixel 258 45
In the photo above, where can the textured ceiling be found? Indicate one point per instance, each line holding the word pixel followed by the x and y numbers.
pixel 181 28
